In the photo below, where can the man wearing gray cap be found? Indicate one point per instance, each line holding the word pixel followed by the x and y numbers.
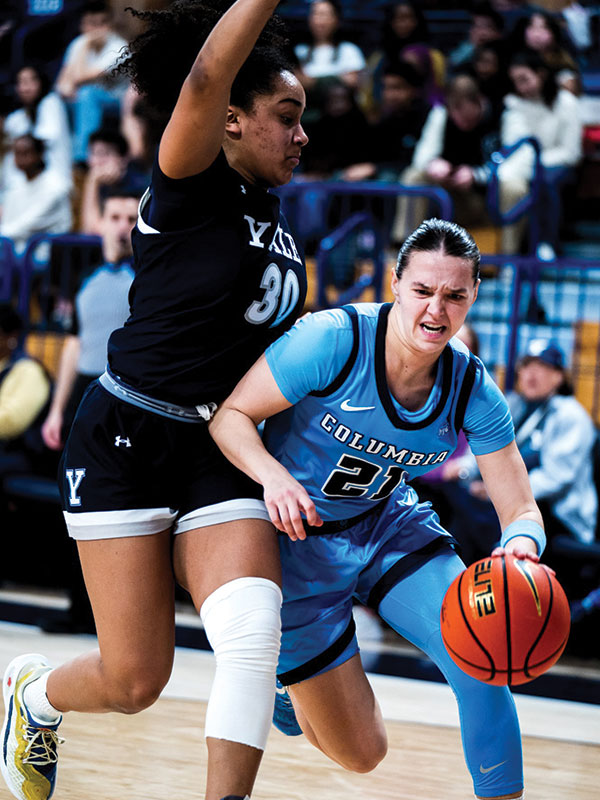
pixel 555 436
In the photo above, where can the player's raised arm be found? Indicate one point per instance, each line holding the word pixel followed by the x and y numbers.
pixel 194 134
pixel 255 398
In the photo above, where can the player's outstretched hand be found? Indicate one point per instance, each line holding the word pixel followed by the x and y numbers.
pixel 287 501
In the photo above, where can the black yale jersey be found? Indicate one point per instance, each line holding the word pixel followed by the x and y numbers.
pixel 218 278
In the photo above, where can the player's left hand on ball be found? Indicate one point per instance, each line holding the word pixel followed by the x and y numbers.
pixel 521 547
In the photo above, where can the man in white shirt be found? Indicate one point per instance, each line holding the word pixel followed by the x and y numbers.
pixel 39 201
pixel 85 77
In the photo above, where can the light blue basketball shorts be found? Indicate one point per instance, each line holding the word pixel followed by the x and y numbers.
pixel 323 573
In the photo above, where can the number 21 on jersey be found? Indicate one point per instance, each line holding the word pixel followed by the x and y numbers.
pixel 354 476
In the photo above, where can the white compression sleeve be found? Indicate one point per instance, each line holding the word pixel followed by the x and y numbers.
pixel 243 625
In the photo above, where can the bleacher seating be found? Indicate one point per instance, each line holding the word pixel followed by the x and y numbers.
pixel 519 298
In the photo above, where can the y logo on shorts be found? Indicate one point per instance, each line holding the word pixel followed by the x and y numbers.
pixel 74 477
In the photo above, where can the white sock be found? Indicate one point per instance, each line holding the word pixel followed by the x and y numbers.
pixel 36 700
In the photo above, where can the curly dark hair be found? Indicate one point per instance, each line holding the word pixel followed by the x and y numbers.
pixel 160 58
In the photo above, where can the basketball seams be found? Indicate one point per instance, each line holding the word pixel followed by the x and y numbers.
pixel 516 672
pixel 526 665
pixel 492 667
pixel 507 617
pixel 472 623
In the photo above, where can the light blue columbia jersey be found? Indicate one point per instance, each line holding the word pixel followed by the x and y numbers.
pixel 346 439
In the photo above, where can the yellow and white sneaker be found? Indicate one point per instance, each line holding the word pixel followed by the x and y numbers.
pixel 29 747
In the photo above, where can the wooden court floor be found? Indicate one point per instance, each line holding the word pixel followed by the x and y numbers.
pixel 160 754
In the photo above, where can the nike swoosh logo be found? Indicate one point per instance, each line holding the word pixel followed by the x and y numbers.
pixel 483 769
pixel 347 407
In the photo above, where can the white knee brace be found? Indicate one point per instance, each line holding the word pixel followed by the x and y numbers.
pixel 243 625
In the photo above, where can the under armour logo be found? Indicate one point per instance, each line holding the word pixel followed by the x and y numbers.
pixel 119 441
pixel 74 477
pixel 243 188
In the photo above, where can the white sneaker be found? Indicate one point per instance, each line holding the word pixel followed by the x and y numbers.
pixel 29 752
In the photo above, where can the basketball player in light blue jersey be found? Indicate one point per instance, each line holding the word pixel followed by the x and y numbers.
pixel 359 401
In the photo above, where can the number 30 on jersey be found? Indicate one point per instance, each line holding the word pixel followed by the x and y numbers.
pixel 280 297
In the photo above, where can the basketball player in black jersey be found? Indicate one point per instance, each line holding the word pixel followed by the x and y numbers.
pixel 218 277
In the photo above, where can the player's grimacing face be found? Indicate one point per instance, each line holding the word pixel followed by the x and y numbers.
pixel 433 296
pixel 272 136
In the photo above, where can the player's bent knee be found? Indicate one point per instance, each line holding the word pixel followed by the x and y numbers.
pixel 132 688
pixel 363 761
pixel 364 753
pixel 135 696
pixel 243 625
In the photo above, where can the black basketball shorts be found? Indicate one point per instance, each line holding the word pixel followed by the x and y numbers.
pixel 129 472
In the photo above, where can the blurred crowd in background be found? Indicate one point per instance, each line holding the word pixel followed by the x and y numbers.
pixel 393 99
pixel 397 92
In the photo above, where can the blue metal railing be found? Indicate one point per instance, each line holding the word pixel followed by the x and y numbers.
pixel 8 270
pixel 325 211
pixel 366 190
pixel 521 297
pixel 359 222
pixel 528 298
pixel 528 204
pixel 76 254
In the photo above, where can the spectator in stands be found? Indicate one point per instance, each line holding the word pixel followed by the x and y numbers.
pixel 430 64
pixel 43 114
pixel 142 127
pixel 394 135
pixel 404 25
pixel 487 25
pixel 39 201
pixel 86 78
pixel 571 81
pixel 513 10
pixel 577 20
pixel 331 149
pixel 453 152
pixel 326 55
pixel 5 109
pixel 539 108
pixel 542 33
pixel 555 436
pixel 24 393
pixel 101 305
pixel 488 67
pixel 109 168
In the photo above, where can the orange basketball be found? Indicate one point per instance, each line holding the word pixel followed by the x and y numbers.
pixel 505 620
